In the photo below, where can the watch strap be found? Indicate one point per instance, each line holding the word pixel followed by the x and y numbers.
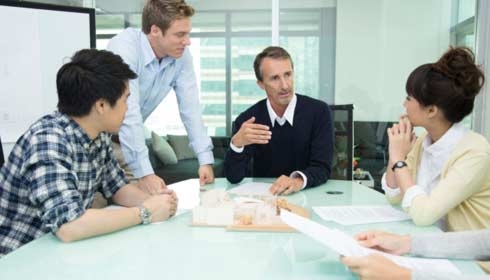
pixel 145 215
pixel 399 164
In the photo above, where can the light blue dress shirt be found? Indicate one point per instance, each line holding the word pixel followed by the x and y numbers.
pixel 154 82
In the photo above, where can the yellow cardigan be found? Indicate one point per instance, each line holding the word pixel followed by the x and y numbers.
pixel 463 192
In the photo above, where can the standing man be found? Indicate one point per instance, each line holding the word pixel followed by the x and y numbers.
pixel 286 135
pixel 159 55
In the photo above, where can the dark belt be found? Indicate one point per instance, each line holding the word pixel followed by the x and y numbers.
pixel 115 138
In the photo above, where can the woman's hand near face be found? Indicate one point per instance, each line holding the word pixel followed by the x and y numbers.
pixel 401 138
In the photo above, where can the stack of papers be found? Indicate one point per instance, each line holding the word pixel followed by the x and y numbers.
pixel 259 189
pixel 354 215
pixel 187 192
pixel 348 246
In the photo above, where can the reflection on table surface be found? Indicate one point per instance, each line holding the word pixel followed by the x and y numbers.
pixel 175 250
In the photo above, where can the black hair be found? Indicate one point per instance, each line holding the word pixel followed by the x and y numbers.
pixel 451 83
pixel 91 75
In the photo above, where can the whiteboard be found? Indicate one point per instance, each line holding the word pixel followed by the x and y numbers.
pixel 36 40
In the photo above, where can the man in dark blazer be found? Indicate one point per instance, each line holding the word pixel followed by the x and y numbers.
pixel 286 135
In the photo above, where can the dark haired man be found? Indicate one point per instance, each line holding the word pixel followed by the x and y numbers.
pixel 54 169
pixel 286 135
pixel 159 55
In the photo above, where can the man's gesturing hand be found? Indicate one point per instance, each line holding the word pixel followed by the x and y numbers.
pixel 251 133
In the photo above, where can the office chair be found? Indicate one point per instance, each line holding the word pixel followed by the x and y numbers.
pixel 342 118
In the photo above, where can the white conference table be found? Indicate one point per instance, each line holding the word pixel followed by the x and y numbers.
pixel 175 250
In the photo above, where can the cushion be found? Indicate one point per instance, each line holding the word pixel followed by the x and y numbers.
pixel 162 149
pixel 180 144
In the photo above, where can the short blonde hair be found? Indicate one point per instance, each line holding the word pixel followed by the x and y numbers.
pixel 163 12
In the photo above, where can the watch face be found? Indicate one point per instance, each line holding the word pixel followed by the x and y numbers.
pixel 145 215
pixel 398 164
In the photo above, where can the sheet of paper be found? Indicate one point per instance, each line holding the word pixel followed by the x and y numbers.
pixel 253 188
pixel 345 245
pixel 353 215
pixel 187 192
pixel 334 239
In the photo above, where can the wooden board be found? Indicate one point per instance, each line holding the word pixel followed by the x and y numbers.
pixel 243 213
pixel 281 227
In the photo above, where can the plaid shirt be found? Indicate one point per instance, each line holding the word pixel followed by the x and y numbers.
pixel 50 178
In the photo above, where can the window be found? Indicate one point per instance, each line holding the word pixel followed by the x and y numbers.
pixel 224 45
pixel 344 52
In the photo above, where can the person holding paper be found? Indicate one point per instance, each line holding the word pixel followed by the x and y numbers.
pixel 54 169
pixel 159 54
pixel 286 135
pixel 471 245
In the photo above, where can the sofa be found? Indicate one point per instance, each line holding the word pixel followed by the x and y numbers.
pixel 173 160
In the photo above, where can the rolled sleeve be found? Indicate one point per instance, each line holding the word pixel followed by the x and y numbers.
pixel 411 194
pixel 205 158
pixel 53 187
pixel 115 178
pixel 389 192
pixel 55 217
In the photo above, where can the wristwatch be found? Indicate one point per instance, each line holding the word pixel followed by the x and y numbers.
pixel 145 215
pixel 398 164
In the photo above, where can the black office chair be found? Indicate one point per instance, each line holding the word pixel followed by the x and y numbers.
pixel 342 117
pixel 2 160
pixel 371 147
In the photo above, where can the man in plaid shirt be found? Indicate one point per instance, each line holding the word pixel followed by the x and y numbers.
pixel 49 180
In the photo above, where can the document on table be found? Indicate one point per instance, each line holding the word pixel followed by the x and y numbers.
pixel 354 215
pixel 345 245
pixel 253 188
pixel 187 192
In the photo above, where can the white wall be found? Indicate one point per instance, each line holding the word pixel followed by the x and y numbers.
pixel 482 103
pixel 29 63
pixel 7 147
pixel 202 5
pixel 379 42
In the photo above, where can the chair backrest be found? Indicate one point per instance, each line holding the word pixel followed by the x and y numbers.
pixel 342 117
pixel 2 160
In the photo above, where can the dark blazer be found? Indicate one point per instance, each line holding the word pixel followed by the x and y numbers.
pixel 310 149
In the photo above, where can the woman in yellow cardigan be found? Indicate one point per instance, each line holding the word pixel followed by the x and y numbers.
pixel 443 176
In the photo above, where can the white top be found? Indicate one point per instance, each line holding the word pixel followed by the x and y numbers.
pixel 288 114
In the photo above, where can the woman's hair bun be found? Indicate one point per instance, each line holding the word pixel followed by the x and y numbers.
pixel 458 64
